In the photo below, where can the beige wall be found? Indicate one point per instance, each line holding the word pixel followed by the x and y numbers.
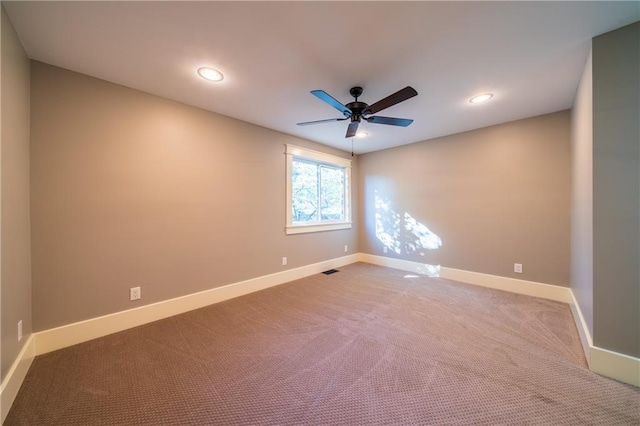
pixel 582 195
pixel 129 189
pixel 495 197
pixel 15 232
pixel 616 190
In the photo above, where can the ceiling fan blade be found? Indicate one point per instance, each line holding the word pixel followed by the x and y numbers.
pixel 353 129
pixel 404 122
pixel 328 120
pixel 324 96
pixel 391 100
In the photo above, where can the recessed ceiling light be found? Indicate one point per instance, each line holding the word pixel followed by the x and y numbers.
pixel 478 99
pixel 362 134
pixel 210 74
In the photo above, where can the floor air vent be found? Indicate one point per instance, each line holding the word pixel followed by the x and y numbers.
pixel 330 271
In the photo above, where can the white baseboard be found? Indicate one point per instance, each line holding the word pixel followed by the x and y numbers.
pixel 71 334
pixel 581 325
pixel 608 363
pixel 403 265
pixel 14 378
pixel 615 365
pixel 513 285
pixel 529 288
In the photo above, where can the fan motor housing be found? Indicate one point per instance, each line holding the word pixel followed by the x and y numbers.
pixel 357 109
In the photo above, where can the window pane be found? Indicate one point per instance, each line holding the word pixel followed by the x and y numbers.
pixel 304 191
pixel 318 191
pixel 332 193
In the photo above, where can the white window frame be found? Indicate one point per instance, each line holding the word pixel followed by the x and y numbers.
pixel 292 152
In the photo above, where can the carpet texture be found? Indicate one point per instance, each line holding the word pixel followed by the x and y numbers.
pixel 366 345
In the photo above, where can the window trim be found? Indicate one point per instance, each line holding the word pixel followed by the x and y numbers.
pixel 293 151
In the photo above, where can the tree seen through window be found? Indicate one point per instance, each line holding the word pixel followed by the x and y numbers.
pixel 318 193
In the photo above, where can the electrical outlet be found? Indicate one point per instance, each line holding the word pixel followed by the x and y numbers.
pixel 517 268
pixel 384 249
pixel 19 330
pixel 346 248
pixel 135 293
pixel 284 261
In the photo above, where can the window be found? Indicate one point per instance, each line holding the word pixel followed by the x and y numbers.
pixel 318 191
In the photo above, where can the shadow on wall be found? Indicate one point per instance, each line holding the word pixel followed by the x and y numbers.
pixel 403 234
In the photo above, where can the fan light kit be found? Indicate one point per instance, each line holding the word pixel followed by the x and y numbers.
pixel 210 74
pixel 362 134
pixel 478 99
pixel 356 111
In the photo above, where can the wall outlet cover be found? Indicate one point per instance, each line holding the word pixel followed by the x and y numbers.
pixel 135 293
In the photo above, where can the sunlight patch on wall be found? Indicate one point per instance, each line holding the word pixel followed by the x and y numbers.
pixel 423 237
pixel 404 234
pixel 387 225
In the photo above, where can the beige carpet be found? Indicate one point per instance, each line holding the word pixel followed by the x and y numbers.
pixel 366 345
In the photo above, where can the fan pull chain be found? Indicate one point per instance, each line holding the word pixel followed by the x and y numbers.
pixel 352 147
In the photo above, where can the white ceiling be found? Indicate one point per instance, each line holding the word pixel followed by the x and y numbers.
pixel 529 54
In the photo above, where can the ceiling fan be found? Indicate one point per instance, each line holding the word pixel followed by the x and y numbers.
pixel 356 111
